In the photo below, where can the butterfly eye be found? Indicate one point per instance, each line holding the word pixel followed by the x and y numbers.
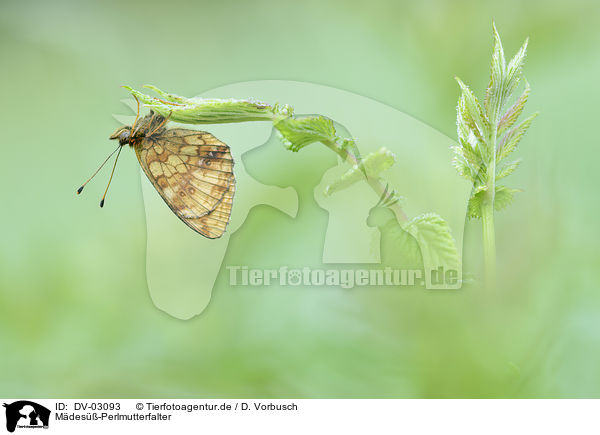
pixel 124 137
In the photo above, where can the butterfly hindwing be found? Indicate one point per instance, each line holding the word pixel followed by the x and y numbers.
pixel 213 224
pixel 193 173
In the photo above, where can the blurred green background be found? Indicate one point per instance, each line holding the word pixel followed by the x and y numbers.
pixel 76 319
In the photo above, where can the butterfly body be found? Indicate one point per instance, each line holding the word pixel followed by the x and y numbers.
pixel 191 170
pixel 151 125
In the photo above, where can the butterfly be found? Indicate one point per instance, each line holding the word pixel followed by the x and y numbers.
pixel 191 170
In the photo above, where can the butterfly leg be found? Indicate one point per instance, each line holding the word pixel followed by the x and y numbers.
pixel 161 124
pixel 137 115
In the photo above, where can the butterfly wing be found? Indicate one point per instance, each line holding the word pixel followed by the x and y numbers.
pixel 193 173
pixel 213 224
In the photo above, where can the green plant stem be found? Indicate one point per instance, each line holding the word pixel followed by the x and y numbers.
pixel 489 236
pixel 376 184
pixel 345 155
pixel 489 242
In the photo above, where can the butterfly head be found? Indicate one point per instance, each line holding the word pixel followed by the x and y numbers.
pixel 123 134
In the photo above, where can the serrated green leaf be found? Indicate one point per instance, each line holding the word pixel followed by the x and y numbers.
pixel 397 246
pixel 463 122
pixel 468 161
pixel 373 164
pixel 514 70
pixel 468 153
pixel 478 189
pixel 466 128
pixel 296 133
pixel 504 196
pixel 511 139
pixel 474 207
pixel 507 169
pixel 494 99
pixel 473 111
pixel 513 113
pixel 463 168
pixel 475 201
pixel 469 135
pixel 435 240
pixel 406 250
pixel 468 170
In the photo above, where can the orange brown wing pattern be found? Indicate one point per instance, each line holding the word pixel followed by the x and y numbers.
pixel 193 173
pixel 213 224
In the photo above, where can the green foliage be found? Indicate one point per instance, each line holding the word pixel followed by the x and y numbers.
pixel 502 198
pixel 373 164
pixel 507 168
pixel 399 247
pixel 430 231
pixel 209 111
pixel 511 139
pixel 512 114
pixel 296 133
pixel 433 235
pixel 486 136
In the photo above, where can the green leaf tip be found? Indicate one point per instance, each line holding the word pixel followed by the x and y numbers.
pixel 504 79
pixel 471 112
pixel 493 94
pixel 511 139
pixel 498 49
pixel 512 114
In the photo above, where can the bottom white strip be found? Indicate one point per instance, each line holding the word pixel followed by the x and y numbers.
pixel 45 416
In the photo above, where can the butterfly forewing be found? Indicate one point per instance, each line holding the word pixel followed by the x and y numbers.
pixel 193 173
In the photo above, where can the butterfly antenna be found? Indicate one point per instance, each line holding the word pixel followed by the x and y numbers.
pixel 97 170
pixel 111 176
